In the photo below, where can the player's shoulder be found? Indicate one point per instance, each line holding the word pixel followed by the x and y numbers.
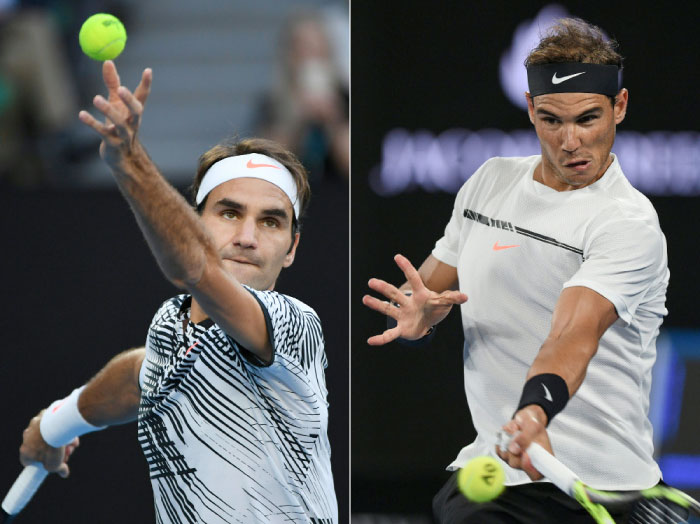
pixel 169 308
pixel 499 168
pixel 498 174
pixel 621 202
pixel 275 301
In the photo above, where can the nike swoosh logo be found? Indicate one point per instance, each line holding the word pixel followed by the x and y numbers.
pixel 496 247
pixel 251 165
pixel 547 394
pixel 556 80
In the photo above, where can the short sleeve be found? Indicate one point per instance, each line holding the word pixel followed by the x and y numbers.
pixel 293 327
pixel 447 248
pixel 623 261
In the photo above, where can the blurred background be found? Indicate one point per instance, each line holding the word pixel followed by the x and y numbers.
pixel 436 90
pixel 80 284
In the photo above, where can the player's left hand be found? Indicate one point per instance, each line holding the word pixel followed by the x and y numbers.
pixel 528 425
pixel 122 110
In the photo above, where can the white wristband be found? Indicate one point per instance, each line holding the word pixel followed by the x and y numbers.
pixel 62 421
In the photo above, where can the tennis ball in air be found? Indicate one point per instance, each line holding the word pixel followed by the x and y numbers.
pixel 102 37
pixel 481 479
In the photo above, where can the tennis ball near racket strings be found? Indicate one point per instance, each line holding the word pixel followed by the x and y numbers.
pixel 102 37
pixel 481 480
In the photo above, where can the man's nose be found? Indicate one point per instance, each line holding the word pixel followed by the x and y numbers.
pixel 246 233
pixel 571 141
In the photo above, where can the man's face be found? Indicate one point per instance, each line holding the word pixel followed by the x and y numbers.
pixel 250 221
pixel 576 132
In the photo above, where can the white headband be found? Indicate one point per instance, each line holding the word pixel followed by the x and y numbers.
pixel 253 165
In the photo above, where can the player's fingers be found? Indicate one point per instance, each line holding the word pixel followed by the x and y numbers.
pixel 388 290
pixel 409 272
pixel 530 428
pixel 108 110
pixel 528 468
pixel 454 297
pixel 448 298
pixel 381 306
pixel 110 77
pixel 501 453
pixel 144 88
pixel 133 105
pixel 63 471
pixel 101 128
pixel 513 430
pixel 388 336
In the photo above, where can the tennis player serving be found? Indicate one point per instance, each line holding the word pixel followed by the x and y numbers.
pixel 565 268
pixel 229 390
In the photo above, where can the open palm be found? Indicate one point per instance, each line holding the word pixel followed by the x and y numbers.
pixel 415 313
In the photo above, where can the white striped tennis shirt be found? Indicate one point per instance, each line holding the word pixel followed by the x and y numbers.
pixel 227 438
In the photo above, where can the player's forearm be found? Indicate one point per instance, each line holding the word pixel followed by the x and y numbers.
pixel 566 355
pixel 171 227
pixel 113 395
pixel 436 275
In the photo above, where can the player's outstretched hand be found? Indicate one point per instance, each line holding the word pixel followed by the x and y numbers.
pixel 528 425
pixel 122 110
pixel 416 313
pixel 34 449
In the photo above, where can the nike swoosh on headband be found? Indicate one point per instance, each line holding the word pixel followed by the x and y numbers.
pixel 556 80
pixel 251 165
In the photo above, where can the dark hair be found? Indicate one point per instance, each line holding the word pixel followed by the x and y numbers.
pixel 575 40
pixel 231 147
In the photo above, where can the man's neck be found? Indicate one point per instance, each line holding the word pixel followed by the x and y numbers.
pixel 197 314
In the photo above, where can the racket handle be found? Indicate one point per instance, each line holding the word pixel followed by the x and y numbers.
pixel 546 463
pixel 24 488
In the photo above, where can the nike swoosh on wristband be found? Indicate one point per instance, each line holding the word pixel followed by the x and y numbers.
pixel 547 394
pixel 496 247
pixel 556 80
pixel 251 165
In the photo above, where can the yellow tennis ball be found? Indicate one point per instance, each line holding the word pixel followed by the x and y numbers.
pixel 102 37
pixel 481 479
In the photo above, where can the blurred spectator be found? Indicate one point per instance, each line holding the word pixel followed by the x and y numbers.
pixel 307 109
pixel 38 99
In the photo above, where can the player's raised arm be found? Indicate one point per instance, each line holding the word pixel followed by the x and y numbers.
pixel 415 307
pixel 111 397
pixel 182 247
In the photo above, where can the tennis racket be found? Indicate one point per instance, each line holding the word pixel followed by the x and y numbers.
pixel 22 491
pixel 659 504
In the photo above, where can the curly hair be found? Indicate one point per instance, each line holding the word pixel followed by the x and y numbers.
pixel 575 40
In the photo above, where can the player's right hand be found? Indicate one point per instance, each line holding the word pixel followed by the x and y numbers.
pixel 123 111
pixel 416 313
pixel 35 449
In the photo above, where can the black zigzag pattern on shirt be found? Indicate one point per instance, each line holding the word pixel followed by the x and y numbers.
pixel 229 408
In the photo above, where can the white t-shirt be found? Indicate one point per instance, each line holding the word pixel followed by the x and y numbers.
pixel 516 244
pixel 227 438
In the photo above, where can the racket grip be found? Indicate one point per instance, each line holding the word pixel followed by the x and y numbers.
pixel 24 488
pixel 546 463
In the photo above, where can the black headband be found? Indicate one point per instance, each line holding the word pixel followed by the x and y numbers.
pixel 573 77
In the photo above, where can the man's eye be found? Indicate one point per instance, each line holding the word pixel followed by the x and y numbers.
pixel 230 215
pixel 270 222
pixel 549 120
pixel 587 119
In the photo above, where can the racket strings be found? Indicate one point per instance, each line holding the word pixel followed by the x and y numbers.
pixel 658 511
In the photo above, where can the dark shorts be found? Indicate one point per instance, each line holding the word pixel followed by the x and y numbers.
pixel 535 503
